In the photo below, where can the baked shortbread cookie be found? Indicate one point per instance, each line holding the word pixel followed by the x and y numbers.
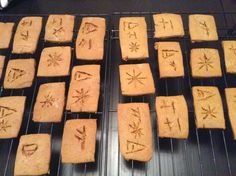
pixel 5 34
pixel 230 55
pixel 2 61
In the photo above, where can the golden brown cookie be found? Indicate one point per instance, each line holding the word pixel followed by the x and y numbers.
pixel 5 34
pixel 2 61
pixel 230 55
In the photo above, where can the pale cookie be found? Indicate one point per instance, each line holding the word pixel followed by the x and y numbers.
pixel 84 90
pixel 19 73
pixel 205 62
pixel 2 61
pixel 136 79
pixel 230 55
pixel 172 117
pixel 5 34
pixel 170 59
pixel 202 28
pixel 79 141
pixel 90 39
pixel 230 94
pixel 49 105
pixel 168 25
pixel 11 115
pixel 135 131
pixel 33 155
pixel 59 28
pixel 133 38
pixel 27 35
pixel 208 107
pixel 55 61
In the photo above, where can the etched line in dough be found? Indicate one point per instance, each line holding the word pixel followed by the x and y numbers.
pixel 26 23
pixel 136 130
pixel 4 125
pixel 173 64
pixel 129 25
pixel 136 113
pixel 54 59
pixel 204 94
pixel 166 53
pixel 25 35
pixel 132 35
pixel 204 26
pixel 133 147
pixel 56 20
pixel 179 124
pixel 134 47
pixel 15 74
pixel 208 112
pixel 233 49
pixel 29 149
pixel 135 78
pixel 81 76
pixel 89 28
pixel 48 102
pixel 84 42
pixel 168 122
pixel 81 136
pixel 205 62
pixel 165 105
pixel 59 30
pixel 165 23
pixel 82 96
pixel 6 111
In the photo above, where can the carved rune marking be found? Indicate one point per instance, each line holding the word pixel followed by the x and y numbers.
pixel 57 21
pixel 84 42
pixel 81 136
pixel 179 124
pixel 26 23
pixel 204 26
pixel 233 49
pixel 173 64
pixel 164 23
pixel 54 59
pixel 129 25
pixel 4 125
pixel 132 35
pixel 29 149
pixel 89 27
pixel 208 112
pixel 15 74
pixel 82 96
pixel 59 30
pixel 205 62
pixel 25 35
pixel 166 53
pixel 135 78
pixel 204 94
pixel 6 111
pixel 235 98
pixel 165 105
pixel 81 76
pixel 168 122
pixel 49 100
pixel 134 47
pixel 136 130
pixel 136 113
pixel 133 147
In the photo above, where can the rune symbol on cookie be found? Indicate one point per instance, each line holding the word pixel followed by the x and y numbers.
pixel 4 125
pixel 173 64
pixel 81 136
pixel 6 111
pixel 135 78
pixel 204 94
pixel 136 113
pixel 29 149
pixel 14 74
pixel 233 49
pixel 208 112
pixel 81 96
pixel 54 59
pixel 205 62
pixel 136 130
pixel 25 35
pixel 204 26
pixel 49 100
pixel 134 47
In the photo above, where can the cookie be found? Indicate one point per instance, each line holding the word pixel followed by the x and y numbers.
pixel 11 115
pixel 230 94
pixel 79 141
pixel 50 102
pixel 230 55
pixel 2 61
pixel 84 90
pixel 208 107
pixel 27 35
pixel 19 74
pixel 202 28
pixel 205 62
pixel 170 59
pixel 33 155
pixel 5 34
pixel 136 79
pixel 135 131
pixel 168 25
pixel 172 117
pixel 55 61
pixel 133 38
pixel 90 39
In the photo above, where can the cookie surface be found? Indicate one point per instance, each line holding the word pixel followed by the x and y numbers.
pixel 230 55
pixel 5 34
pixel 135 131
pixel 79 141
pixel 2 61
pixel 55 61
pixel 133 38
pixel 168 25
pixel 11 115
pixel 19 74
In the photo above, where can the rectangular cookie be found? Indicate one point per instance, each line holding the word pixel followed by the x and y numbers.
pixel 135 131
pixel 202 28
pixel 90 39
pixel 208 107
pixel 170 59
pixel 27 35
pixel 50 101
pixel 11 115
pixel 2 61
pixel 5 34
pixel 79 141
pixel 133 38
pixel 230 55
pixel 168 25
pixel 33 155
pixel 230 94
pixel 19 74
pixel 55 61
pixel 84 90
pixel 172 117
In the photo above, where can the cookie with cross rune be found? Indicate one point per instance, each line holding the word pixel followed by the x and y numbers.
pixel 79 141
pixel 6 30
pixel 202 28
pixel 170 59
pixel 135 131
pixel 11 115
pixel 172 117
pixel 27 35
pixel 84 90
pixel 33 155
pixel 19 73
pixel 205 62
pixel 90 39
pixel 133 38
pixel 168 25
pixel 55 61
pixel 229 47
pixel 136 79
pixel 208 107
pixel 2 61
pixel 50 101
pixel 59 28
